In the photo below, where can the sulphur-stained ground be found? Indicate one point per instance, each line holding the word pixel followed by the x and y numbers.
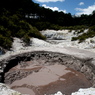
pixel 47 79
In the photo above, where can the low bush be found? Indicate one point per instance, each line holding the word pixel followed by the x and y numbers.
pixel 33 32
pixel 89 34
pixel 5 42
pixel 26 39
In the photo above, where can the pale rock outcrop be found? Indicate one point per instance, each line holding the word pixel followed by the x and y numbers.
pixel 5 90
pixel 64 39
pixel 18 44
pixel 39 43
pixel 88 91
pixel 59 93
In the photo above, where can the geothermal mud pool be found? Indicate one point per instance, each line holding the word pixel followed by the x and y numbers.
pixel 46 73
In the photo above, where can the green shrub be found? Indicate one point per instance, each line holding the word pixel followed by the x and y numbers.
pixel 90 33
pixel 26 39
pixel 13 26
pixel 80 31
pixel 4 31
pixel 92 28
pixel 23 25
pixel 5 42
pixel 21 33
pixel 33 32
pixel 74 38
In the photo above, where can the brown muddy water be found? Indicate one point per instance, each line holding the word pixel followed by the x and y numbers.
pixel 34 78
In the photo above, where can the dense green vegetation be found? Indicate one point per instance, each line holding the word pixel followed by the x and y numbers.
pixel 12 26
pixel 89 34
pixel 24 19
